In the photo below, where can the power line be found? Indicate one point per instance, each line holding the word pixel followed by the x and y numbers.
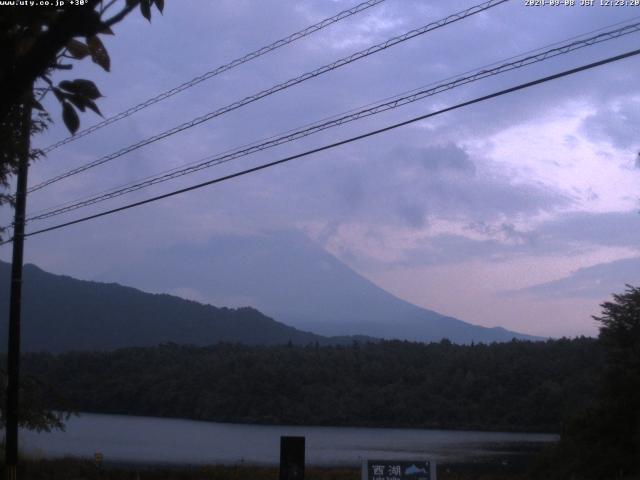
pixel 407 92
pixel 341 142
pixel 323 125
pixel 281 86
pixel 217 71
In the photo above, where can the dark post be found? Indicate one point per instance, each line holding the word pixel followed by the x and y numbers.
pixel 13 358
pixel 291 458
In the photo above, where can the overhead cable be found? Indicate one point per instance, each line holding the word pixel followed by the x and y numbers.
pixel 216 71
pixel 276 88
pixel 320 126
pixel 521 86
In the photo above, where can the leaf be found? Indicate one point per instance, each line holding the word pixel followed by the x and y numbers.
pixel 77 49
pixel 160 5
pixel 83 103
pixel 132 3
pixel 88 23
pixel 92 105
pixel 145 9
pixel 70 117
pixel 82 87
pixel 66 85
pixel 106 30
pixel 78 101
pixel 59 94
pixel 99 54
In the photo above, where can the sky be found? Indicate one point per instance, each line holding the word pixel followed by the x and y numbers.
pixel 521 211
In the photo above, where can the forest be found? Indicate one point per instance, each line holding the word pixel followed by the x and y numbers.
pixel 585 389
pixel 519 385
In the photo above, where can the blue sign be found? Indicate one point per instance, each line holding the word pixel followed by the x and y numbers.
pixel 398 470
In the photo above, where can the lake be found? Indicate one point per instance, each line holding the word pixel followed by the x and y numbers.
pixel 172 441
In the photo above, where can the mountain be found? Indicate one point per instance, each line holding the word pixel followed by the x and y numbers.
pixel 290 278
pixel 61 313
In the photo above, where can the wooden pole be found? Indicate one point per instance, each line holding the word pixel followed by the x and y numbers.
pixel 13 358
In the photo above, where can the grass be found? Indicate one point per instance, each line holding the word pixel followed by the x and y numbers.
pixel 79 469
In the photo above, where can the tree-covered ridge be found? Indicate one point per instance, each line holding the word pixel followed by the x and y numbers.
pixel 61 313
pixel 519 385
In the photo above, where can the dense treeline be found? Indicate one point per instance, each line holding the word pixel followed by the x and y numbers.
pixel 527 386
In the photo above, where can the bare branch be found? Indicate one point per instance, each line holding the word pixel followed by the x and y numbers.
pixel 106 7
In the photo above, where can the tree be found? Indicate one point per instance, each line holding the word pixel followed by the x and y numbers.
pixel 604 441
pixel 35 413
pixel 620 403
pixel 35 43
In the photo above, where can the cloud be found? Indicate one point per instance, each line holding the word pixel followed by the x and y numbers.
pixel 596 282
pixel 504 180
pixel 617 122
pixel 610 229
pixel 443 181
pixel 581 238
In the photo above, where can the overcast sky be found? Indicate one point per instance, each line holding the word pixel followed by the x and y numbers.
pixel 521 211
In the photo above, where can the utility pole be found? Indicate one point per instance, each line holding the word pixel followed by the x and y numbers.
pixel 13 359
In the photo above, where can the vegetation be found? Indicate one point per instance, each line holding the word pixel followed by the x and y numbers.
pixel 61 313
pixel 37 42
pixel 604 441
pixel 519 385
pixel 588 389
pixel 34 412
pixel 40 40
pixel 87 470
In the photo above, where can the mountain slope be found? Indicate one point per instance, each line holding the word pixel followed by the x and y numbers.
pixel 61 313
pixel 293 280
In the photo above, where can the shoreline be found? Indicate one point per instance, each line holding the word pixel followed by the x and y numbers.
pixel 381 426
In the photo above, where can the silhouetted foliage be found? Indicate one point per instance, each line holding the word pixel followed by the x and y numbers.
pixel 11 146
pixel 35 42
pixel 35 413
pixel 518 385
pixel 604 441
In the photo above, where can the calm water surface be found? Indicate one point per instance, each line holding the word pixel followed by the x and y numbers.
pixel 159 440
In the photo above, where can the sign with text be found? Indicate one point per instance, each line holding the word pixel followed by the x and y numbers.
pixel 398 470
